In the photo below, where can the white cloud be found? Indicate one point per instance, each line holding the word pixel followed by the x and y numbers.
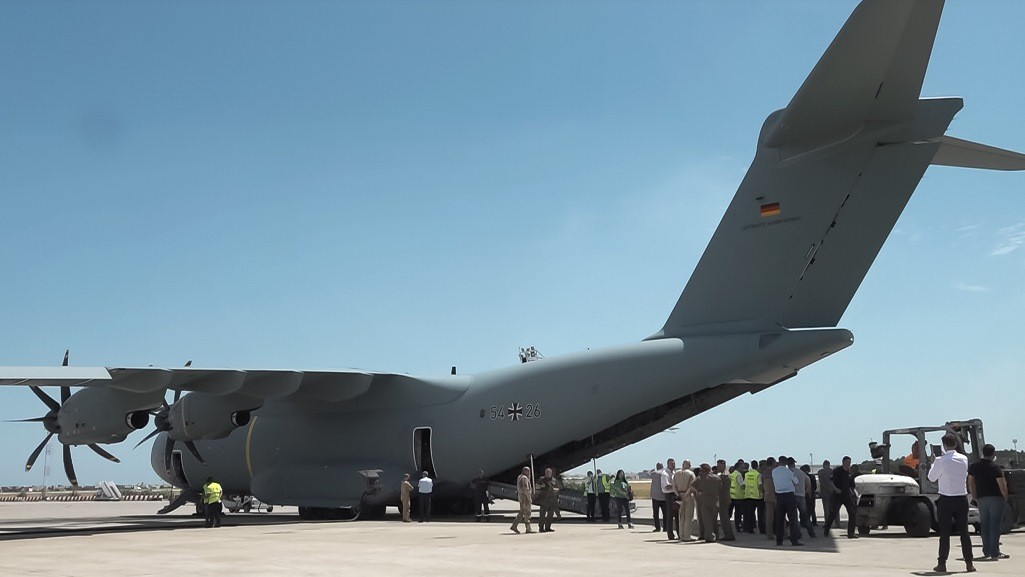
pixel 1011 238
pixel 971 288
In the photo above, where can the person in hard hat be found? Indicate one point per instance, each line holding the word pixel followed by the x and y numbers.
pixel 212 502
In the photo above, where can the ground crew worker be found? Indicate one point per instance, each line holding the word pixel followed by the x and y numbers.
pixel 706 491
pixel 604 488
pixel 404 490
pixel 724 502
pixel 737 495
pixel 753 497
pixel 523 495
pixel 548 498
pixel 212 502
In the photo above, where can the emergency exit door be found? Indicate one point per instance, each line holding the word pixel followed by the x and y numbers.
pixel 423 458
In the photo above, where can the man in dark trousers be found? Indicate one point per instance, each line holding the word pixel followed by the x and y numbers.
pixel 950 473
pixel 212 502
pixel 480 496
pixel 591 490
pixel 988 487
pixel 604 486
pixel 672 517
pixel 843 495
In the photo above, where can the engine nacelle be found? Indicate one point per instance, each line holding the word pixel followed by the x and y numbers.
pixel 205 416
pixel 104 415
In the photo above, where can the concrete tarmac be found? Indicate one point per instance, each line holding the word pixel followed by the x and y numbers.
pixel 92 539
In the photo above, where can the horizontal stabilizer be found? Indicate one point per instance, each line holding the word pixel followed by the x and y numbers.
pixel 967 154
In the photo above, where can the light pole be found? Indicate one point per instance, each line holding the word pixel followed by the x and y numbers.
pixel 1015 441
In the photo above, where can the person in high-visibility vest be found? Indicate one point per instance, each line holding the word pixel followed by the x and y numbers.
pixel 752 497
pixel 604 487
pixel 212 502
pixel 737 495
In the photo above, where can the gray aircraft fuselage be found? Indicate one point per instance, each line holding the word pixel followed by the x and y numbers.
pixel 309 453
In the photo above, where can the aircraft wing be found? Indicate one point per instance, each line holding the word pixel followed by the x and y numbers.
pixel 320 385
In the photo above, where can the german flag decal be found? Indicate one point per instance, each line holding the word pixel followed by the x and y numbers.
pixel 771 209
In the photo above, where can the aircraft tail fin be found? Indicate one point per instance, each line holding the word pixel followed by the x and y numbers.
pixel 832 173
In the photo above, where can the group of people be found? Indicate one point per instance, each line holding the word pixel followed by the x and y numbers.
pixel 773 497
pixel 764 496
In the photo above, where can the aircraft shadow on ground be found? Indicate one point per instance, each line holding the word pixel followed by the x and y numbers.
pixel 132 524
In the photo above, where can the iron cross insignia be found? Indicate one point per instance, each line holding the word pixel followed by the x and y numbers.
pixel 515 411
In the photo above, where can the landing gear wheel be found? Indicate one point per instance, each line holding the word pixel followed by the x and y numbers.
pixel 917 519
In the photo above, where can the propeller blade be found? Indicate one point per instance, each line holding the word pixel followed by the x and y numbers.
pixel 66 352
pixel 65 394
pixel 168 449
pixel 50 402
pixel 96 449
pixel 188 363
pixel 35 420
pixel 154 433
pixel 35 454
pixel 195 452
pixel 177 395
pixel 69 467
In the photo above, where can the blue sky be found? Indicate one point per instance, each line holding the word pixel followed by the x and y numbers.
pixel 407 186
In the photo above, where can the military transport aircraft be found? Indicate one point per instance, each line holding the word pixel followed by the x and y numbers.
pixel 831 175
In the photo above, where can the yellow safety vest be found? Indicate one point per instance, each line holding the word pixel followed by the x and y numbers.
pixel 212 493
pixel 736 489
pixel 751 485
pixel 606 482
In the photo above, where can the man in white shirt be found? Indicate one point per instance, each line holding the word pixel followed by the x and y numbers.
pixel 590 489
pixel 425 487
pixel 800 492
pixel 672 508
pixel 658 497
pixel 785 483
pixel 950 473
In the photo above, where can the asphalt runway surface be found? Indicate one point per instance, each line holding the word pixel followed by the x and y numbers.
pixel 87 539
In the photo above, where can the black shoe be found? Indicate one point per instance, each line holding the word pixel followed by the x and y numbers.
pixel 1000 556
pixel 798 543
pixel 940 568
pixel 969 568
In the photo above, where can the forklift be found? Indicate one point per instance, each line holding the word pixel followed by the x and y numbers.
pixel 900 493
